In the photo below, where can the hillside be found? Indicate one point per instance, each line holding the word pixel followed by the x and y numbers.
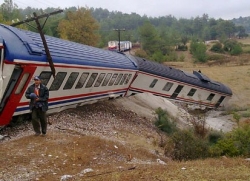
pixel 117 140
pixel 109 140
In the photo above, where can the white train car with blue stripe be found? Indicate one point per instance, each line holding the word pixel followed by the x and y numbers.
pixel 86 74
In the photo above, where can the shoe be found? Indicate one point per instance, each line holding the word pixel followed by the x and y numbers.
pixel 37 134
pixel 43 135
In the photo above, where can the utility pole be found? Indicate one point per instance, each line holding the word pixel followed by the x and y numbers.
pixel 39 28
pixel 119 36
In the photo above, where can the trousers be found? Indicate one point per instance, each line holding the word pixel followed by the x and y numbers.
pixel 39 120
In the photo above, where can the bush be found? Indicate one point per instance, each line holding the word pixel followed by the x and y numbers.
pixel 141 53
pixel 214 136
pixel 217 47
pixel 164 122
pixel 235 143
pixel 215 57
pixel 198 50
pixel 158 57
pixel 172 56
pixel 237 50
pixel 187 146
pixel 181 47
pixel 233 47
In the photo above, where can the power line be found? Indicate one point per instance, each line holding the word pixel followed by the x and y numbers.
pixel 39 28
pixel 119 36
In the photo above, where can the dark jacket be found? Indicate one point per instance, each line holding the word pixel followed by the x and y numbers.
pixel 43 96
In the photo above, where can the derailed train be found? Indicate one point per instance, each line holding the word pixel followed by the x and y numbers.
pixel 86 75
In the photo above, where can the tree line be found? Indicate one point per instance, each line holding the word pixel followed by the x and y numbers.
pixel 156 35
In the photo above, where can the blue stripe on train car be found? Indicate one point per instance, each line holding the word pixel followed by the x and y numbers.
pixel 70 101
pixel 27 45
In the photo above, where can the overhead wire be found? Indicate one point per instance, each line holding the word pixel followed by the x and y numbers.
pixel 46 3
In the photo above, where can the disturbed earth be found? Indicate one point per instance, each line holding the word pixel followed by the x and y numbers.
pixel 81 144
pixel 113 140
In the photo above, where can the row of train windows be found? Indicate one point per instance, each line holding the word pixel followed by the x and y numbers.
pixel 169 85
pixel 103 79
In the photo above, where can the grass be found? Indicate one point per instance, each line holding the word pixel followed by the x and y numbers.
pixel 70 154
pixel 127 158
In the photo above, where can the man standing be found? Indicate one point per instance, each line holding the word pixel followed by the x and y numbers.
pixel 38 95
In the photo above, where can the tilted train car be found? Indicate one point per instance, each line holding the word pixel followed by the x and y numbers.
pixel 192 88
pixel 86 74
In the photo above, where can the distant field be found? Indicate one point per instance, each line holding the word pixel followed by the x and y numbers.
pixel 244 40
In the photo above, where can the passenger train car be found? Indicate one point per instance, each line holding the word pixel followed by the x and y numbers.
pixel 86 75
pixel 124 45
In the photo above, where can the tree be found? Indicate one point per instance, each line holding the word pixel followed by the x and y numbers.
pixel 198 50
pixel 241 32
pixel 80 27
pixel 9 10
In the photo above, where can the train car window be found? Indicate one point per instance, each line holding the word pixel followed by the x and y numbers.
pixel 210 97
pixel 82 80
pixel 45 77
pixel 127 80
pixel 22 83
pixel 111 82
pixel 71 80
pixel 57 82
pixel 99 80
pixel 91 80
pixel 118 79
pixel 106 80
pixel 153 83
pixel 191 92
pixel 123 78
pixel 168 86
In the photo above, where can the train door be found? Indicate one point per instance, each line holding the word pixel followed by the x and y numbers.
pixel 220 101
pixel 1 67
pixel 17 85
pixel 176 92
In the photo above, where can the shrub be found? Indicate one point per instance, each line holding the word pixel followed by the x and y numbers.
pixel 198 50
pixel 214 136
pixel 181 47
pixel 233 47
pixel 187 146
pixel 164 122
pixel 235 143
pixel 237 50
pixel 141 53
pixel 182 58
pixel 215 57
pixel 217 47
pixel 158 57
pixel 172 56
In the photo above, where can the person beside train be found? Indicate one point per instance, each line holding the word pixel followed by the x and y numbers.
pixel 38 95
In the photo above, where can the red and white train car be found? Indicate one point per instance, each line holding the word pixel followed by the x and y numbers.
pixel 86 74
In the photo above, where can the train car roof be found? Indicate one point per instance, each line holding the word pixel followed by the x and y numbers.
pixel 27 45
pixel 195 78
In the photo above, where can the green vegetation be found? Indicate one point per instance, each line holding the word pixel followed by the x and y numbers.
pixel 198 50
pixel 159 38
pixel 80 27
pixel 198 142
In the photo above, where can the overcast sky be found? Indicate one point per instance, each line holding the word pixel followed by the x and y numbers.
pixel 225 9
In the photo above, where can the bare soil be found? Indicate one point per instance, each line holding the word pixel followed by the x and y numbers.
pixel 115 140
pixel 104 141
